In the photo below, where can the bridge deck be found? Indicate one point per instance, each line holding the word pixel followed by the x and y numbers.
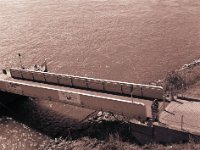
pixel 147 103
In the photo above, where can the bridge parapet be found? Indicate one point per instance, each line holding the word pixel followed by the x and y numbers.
pixel 107 86
pixel 118 106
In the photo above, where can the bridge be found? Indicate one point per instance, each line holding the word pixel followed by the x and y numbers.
pixel 128 99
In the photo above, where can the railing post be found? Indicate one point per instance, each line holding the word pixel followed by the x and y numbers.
pixel 164 102
pixel 181 122
pixel 132 94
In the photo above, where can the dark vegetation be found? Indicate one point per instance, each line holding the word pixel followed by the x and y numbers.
pixel 93 133
pixel 178 81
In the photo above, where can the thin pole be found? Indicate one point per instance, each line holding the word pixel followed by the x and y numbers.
pixel 182 122
pixel 164 99
pixel 20 60
pixel 43 66
pixel 182 89
pixel 132 96
pixel 46 68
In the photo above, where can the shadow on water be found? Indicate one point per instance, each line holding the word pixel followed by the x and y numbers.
pixel 53 124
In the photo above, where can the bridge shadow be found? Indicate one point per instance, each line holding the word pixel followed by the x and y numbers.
pixel 54 124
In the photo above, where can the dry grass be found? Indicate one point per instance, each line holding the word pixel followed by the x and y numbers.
pixel 182 79
pixel 114 142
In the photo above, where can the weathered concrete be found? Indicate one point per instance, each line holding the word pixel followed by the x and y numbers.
pixel 131 110
pixel 109 86
pixel 143 133
pixel 66 81
pixel 51 79
pixel 166 135
pixel 27 75
pixel 95 85
pixel 113 87
pixel 119 106
pixel 182 115
pixel 39 76
pixel 79 83
pixel 159 134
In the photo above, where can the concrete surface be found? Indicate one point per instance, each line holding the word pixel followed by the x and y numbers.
pixel 182 115
pixel 109 86
pixel 97 101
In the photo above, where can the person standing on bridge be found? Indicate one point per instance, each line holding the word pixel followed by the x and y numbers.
pixel 155 110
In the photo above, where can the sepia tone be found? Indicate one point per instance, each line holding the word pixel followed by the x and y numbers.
pixel 106 57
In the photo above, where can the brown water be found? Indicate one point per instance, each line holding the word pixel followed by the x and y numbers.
pixel 128 40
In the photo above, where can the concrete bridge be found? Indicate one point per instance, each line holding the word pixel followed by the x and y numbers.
pixel 129 99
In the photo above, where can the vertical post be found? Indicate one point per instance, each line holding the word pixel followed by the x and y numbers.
pixel 103 84
pixel 185 75
pixel 71 79
pixel 182 89
pixel 20 60
pixel 164 102
pixel 181 122
pixel 87 83
pixel 132 96
pixel 46 67
pixel 172 93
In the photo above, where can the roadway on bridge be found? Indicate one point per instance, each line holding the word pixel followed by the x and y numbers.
pixel 139 100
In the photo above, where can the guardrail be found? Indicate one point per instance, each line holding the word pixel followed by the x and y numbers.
pixel 107 86
pixel 118 106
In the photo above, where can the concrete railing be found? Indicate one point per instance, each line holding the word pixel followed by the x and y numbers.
pixel 118 106
pixel 108 86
